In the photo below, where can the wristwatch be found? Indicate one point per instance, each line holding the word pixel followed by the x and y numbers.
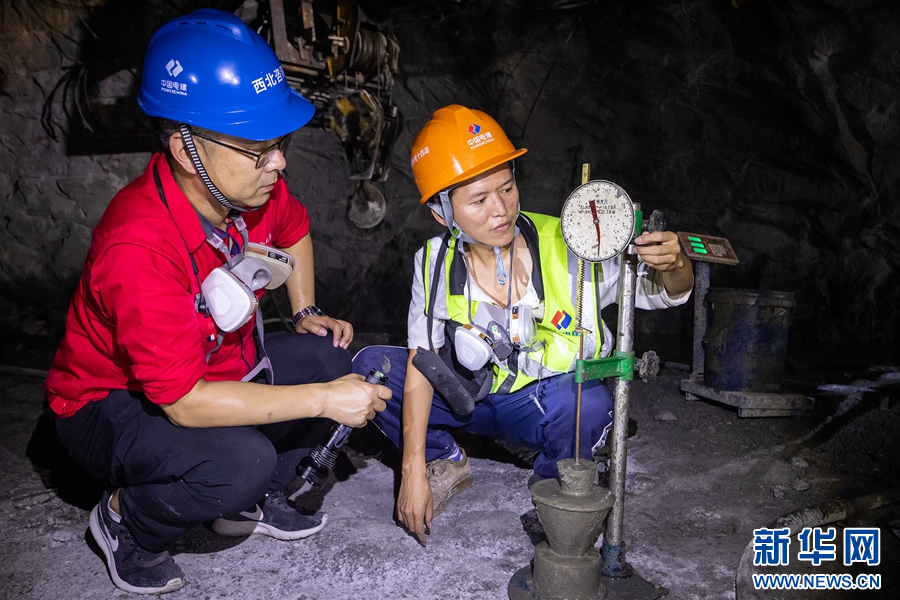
pixel 305 312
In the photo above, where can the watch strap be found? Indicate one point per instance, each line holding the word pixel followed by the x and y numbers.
pixel 305 312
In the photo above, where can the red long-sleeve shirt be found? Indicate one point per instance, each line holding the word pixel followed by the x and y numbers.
pixel 132 322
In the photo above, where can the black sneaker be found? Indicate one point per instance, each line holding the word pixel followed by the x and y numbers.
pixel 273 516
pixel 131 567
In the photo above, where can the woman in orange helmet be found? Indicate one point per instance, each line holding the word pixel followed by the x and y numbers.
pixel 491 322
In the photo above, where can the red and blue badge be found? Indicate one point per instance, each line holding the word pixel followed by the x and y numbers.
pixel 474 129
pixel 561 320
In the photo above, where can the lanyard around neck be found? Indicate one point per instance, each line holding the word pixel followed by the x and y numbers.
pixel 218 242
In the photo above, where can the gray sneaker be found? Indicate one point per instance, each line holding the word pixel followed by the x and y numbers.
pixel 447 478
pixel 274 517
pixel 131 567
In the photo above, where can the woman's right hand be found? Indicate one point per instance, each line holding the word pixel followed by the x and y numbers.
pixel 415 505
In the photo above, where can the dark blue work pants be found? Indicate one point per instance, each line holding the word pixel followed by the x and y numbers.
pixel 540 416
pixel 172 478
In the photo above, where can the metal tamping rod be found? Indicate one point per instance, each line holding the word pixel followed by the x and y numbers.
pixel 579 296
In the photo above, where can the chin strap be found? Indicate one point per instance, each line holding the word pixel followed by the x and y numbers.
pixel 500 268
pixel 204 176
pixel 502 275
pixel 446 211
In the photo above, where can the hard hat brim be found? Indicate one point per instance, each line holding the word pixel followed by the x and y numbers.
pixel 283 118
pixel 482 168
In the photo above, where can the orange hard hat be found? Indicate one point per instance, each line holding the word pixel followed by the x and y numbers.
pixel 455 145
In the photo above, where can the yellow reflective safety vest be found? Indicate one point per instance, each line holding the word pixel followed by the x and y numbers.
pixel 554 276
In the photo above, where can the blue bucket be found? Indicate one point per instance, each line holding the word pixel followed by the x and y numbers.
pixel 746 339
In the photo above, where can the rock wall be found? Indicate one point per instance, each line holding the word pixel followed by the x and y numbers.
pixel 773 124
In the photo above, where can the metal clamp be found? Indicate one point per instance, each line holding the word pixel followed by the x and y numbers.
pixel 621 365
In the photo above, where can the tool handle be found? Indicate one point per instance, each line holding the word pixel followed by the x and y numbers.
pixel 315 467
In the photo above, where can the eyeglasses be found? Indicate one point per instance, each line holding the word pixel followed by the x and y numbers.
pixel 262 158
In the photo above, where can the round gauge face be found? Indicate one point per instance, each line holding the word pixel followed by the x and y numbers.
pixel 597 220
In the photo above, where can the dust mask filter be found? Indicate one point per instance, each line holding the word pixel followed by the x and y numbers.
pixel 229 291
pixel 473 348
pixel 494 334
pixel 522 329
pixel 279 262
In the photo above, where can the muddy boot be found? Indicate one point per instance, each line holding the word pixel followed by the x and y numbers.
pixel 447 478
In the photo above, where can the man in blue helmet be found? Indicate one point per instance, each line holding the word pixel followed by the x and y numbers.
pixel 161 385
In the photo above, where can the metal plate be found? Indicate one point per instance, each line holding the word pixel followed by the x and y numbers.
pixel 752 404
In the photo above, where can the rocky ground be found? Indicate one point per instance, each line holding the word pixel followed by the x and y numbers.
pixel 700 480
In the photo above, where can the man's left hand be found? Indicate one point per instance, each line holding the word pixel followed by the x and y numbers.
pixel 341 330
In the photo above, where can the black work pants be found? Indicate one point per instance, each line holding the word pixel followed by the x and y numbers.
pixel 172 478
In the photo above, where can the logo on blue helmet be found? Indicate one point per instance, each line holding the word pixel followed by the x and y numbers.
pixel 174 68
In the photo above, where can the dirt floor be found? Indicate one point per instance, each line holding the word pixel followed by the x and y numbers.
pixel 699 481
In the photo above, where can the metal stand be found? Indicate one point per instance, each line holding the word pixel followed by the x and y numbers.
pixel 587 574
pixel 618 577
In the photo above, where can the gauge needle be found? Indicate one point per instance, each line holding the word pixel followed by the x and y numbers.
pixel 596 221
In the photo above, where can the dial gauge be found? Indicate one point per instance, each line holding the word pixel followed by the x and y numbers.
pixel 597 220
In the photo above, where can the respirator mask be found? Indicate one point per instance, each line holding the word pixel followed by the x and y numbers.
pixel 228 291
pixel 493 334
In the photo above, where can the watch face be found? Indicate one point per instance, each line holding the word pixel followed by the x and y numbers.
pixel 597 220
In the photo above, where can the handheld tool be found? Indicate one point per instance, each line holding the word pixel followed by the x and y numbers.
pixel 315 467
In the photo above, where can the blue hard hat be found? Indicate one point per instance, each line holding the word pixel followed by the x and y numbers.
pixel 210 70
